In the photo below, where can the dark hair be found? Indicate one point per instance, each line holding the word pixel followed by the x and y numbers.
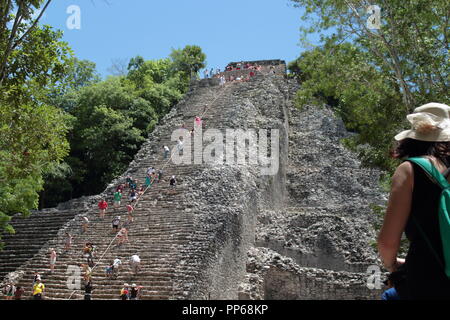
pixel 415 148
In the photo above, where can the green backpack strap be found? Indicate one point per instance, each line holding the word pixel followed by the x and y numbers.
pixel 444 208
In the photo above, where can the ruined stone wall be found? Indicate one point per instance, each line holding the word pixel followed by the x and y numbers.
pixel 228 198
pixel 302 233
pixel 274 277
pixel 324 231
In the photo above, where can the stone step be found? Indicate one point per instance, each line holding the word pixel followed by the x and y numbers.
pixel 162 232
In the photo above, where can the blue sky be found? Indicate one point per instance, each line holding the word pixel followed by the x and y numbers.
pixel 227 30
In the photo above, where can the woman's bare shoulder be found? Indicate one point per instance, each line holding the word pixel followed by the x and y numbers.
pixel 403 174
pixel 405 168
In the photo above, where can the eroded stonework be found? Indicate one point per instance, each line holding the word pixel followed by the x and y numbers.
pixel 227 232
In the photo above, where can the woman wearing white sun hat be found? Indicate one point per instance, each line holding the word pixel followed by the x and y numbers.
pixel 413 206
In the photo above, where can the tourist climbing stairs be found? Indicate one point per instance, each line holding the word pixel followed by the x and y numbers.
pixel 159 233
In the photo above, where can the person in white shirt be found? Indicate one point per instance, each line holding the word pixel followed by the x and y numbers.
pixel 150 171
pixel 116 224
pixel 9 291
pixel 116 265
pixel 85 223
pixel 166 152
pixel 135 263
pixel 180 144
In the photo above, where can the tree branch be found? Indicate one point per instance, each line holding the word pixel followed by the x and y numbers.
pixel 8 48
pixel 395 65
pixel 33 25
pixel 11 46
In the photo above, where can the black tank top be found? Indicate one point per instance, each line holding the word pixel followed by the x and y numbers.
pixel 425 278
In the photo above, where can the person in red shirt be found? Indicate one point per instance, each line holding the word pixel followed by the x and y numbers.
pixel 124 292
pixel 102 205
pixel 18 293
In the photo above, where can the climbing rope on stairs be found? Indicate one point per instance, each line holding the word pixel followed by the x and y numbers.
pixel 208 105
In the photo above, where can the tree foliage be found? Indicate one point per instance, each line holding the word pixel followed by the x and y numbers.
pixel 374 77
pixel 18 33
pixel 32 138
pixel 33 60
pixel 339 75
pixel 410 48
pixel 112 118
pixel 188 60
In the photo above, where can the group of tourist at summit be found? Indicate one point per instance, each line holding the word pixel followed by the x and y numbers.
pixel 211 73
pixel 252 69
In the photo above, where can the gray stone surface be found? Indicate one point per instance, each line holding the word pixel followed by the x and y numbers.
pixel 230 232
pixel 272 276
pixel 325 229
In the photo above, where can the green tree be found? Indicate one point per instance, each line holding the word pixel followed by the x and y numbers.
pixel 136 63
pixel 21 33
pixel 374 77
pixel 146 73
pixel 339 75
pixel 104 137
pixel 188 60
pixel 79 74
pixel 111 120
pixel 32 133
pixel 32 137
pixel 108 146
pixel 410 47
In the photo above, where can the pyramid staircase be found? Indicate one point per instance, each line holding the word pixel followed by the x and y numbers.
pixel 159 234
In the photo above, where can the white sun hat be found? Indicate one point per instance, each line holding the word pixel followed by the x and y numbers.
pixel 430 122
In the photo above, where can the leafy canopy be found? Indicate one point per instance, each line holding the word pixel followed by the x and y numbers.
pixel 33 60
pixel 375 77
pixel 112 118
